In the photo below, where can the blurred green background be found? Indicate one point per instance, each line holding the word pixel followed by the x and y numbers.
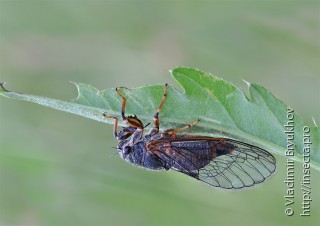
pixel 60 169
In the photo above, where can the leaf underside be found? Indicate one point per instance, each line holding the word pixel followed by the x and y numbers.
pixel 223 109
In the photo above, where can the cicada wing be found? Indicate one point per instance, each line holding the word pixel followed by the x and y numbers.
pixel 244 167
pixel 223 163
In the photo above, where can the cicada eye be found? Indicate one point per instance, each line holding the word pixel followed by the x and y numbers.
pixel 127 150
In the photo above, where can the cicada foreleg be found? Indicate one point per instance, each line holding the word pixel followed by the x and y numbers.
pixel 156 123
pixel 132 121
pixel 135 126
pixel 115 125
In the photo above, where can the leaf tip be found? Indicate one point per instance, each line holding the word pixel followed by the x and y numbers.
pixel 246 82
pixel 2 88
pixel 314 122
pixel 78 89
pixel 185 69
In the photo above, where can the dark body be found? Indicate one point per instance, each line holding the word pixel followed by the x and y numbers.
pixel 159 152
pixel 219 162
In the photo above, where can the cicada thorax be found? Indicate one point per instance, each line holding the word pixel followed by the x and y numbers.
pixel 137 154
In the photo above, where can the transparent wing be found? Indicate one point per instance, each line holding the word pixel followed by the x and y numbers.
pixel 244 167
pixel 224 163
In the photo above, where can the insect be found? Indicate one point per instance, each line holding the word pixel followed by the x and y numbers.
pixel 219 162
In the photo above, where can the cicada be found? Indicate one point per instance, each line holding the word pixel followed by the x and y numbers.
pixel 220 162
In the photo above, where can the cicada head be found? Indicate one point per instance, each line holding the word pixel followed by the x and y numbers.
pixel 129 152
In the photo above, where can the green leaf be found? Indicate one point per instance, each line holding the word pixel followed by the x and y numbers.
pixel 223 109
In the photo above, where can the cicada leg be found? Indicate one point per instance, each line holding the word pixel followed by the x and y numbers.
pixel 115 125
pixel 135 126
pixel 174 131
pixel 156 123
pixel 132 121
